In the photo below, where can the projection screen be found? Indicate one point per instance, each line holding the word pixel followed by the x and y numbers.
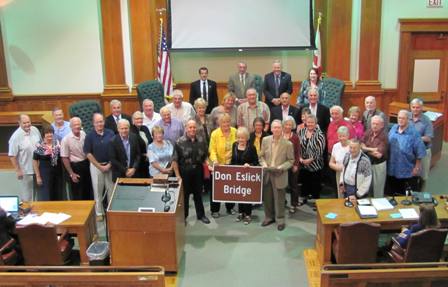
pixel 225 24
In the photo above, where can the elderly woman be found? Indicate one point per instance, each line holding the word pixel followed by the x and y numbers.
pixel 356 174
pixel 258 134
pixel 340 149
pixel 144 139
pixel 48 167
pixel 289 125
pixel 244 153
pixel 203 122
pixel 304 113
pixel 227 107
pixel 314 82
pixel 312 146
pixel 220 152
pixel 354 117
pixel 160 153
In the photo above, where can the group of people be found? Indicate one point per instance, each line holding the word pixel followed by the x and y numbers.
pixel 297 144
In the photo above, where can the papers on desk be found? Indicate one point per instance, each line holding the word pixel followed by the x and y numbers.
pixel 432 115
pixel 408 213
pixel 366 211
pixel 381 204
pixel 44 218
pixel 363 201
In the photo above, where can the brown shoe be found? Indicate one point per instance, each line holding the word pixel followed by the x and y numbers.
pixel 267 222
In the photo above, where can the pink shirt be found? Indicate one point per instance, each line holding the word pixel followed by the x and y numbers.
pixel 332 132
pixel 72 147
pixel 359 130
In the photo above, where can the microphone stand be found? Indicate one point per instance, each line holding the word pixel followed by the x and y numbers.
pixel 406 201
pixel 166 196
pixel 393 201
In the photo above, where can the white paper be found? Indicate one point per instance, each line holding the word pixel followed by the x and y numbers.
pixel 46 217
pixel 367 210
pixel 408 213
pixel 382 204
pixel 364 201
pixel 432 115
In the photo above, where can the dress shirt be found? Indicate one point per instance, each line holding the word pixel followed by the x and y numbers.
pixel 72 147
pixel 127 149
pixel 206 89
pixel 61 132
pixel 22 146
pixel 313 110
pixel 98 144
pixel 378 141
pixel 285 111
pixel 220 148
pixel 332 132
pixel 424 127
pixel 247 114
pixel 149 122
pixel 171 131
pixel 184 113
pixel 190 154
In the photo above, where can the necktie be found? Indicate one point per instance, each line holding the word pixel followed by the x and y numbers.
pixel 127 148
pixel 117 118
pixel 204 91
pixel 277 83
pixel 242 81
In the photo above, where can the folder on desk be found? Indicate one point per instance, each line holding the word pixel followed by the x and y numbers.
pixel 381 204
pixel 366 211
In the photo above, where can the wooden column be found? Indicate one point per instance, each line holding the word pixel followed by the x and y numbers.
pixel 369 49
pixel 338 27
pixel 114 76
pixel 5 91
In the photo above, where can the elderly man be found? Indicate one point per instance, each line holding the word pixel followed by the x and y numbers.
pixel 21 146
pixel 115 116
pixel 124 152
pixel 180 110
pixel 204 88
pixel 371 110
pixel 75 161
pixel 189 157
pixel 276 83
pixel 96 147
pixel 424 127
pixel 173 129
pixel 406 152
pixel 337 120
pixel 277 157
pixel 252 109
pixel 375 145
pixel 284 110
pixel 321 112
pixel 240 82
pixel 150 117
pixel 61 127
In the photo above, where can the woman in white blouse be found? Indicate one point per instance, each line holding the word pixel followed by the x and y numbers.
pixel 338 153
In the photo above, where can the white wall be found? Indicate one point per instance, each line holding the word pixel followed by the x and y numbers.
pixel 392 10
pixel 53 46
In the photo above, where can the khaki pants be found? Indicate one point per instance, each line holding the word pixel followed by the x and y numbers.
pixel 379 173
pixel 274 203
pixel 27 190
pixel 101 182
pixel 426 164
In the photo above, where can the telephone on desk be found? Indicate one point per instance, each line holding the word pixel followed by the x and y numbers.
pixel 423 197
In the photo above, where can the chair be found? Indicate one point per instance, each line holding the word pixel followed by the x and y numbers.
pixel 423 246
pixel 333 89
pixel 152 90
pixel 41 246
pixel 356 243
pixel 85 110
pixel 8 255
pixel 259 86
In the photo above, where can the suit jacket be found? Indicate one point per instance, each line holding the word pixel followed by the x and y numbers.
pixel 195 92
pixel 269 87
pixel 111 124
pixel 235 86
pixel 323 117
pixel 284 160
pixel 118 159
pixel 277 113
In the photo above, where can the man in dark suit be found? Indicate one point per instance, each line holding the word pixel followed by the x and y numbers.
pixel 285 109
pixel 276 83
pixel 320 111
pixel 124 152
pixel 204 88
pixel 115 116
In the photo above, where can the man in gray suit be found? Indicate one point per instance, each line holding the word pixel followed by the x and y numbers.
pixel 240 82
pixel 277 157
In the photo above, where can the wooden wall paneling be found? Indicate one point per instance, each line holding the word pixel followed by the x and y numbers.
pixel 338 38
pixel 113 55
pixel 144 38
pixel 129 103
pixel 369 50
pixel 404 67
pixel 5 91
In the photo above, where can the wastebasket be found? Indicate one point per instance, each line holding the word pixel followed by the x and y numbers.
pixel 98 253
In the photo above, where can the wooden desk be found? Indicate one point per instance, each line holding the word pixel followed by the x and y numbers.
pixel 325 226
pixel 82 220
pixel 145 238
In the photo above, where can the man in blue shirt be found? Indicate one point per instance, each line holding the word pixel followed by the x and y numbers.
pixel 424 127
pixel 406 149
pixel 61 127
pixel 172 128
pixel 96 147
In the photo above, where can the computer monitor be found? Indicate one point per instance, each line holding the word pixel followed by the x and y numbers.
pixel 9 203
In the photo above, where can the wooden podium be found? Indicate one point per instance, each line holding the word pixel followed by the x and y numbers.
pixel 152 236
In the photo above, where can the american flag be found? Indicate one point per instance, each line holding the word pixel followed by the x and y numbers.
pixel 163 66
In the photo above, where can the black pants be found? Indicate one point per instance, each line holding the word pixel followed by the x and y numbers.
pixel 397 186
pixel 215 206
pixel 311 183
pixel 82 190
pixel 245 208
pixel 293 182
pixel 193 180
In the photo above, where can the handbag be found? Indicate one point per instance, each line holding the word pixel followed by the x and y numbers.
pixel 206 171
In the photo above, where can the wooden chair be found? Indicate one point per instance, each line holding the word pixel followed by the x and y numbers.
pixel 356 243
pixel 41 246
pixel 423 246
pixel 8 255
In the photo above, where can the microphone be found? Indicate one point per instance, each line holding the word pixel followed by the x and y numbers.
pixel 166 196
pixel 406 201
pixel 392 200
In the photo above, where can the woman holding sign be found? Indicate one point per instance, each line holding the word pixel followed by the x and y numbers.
pixel 220 150
pixel 244 153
